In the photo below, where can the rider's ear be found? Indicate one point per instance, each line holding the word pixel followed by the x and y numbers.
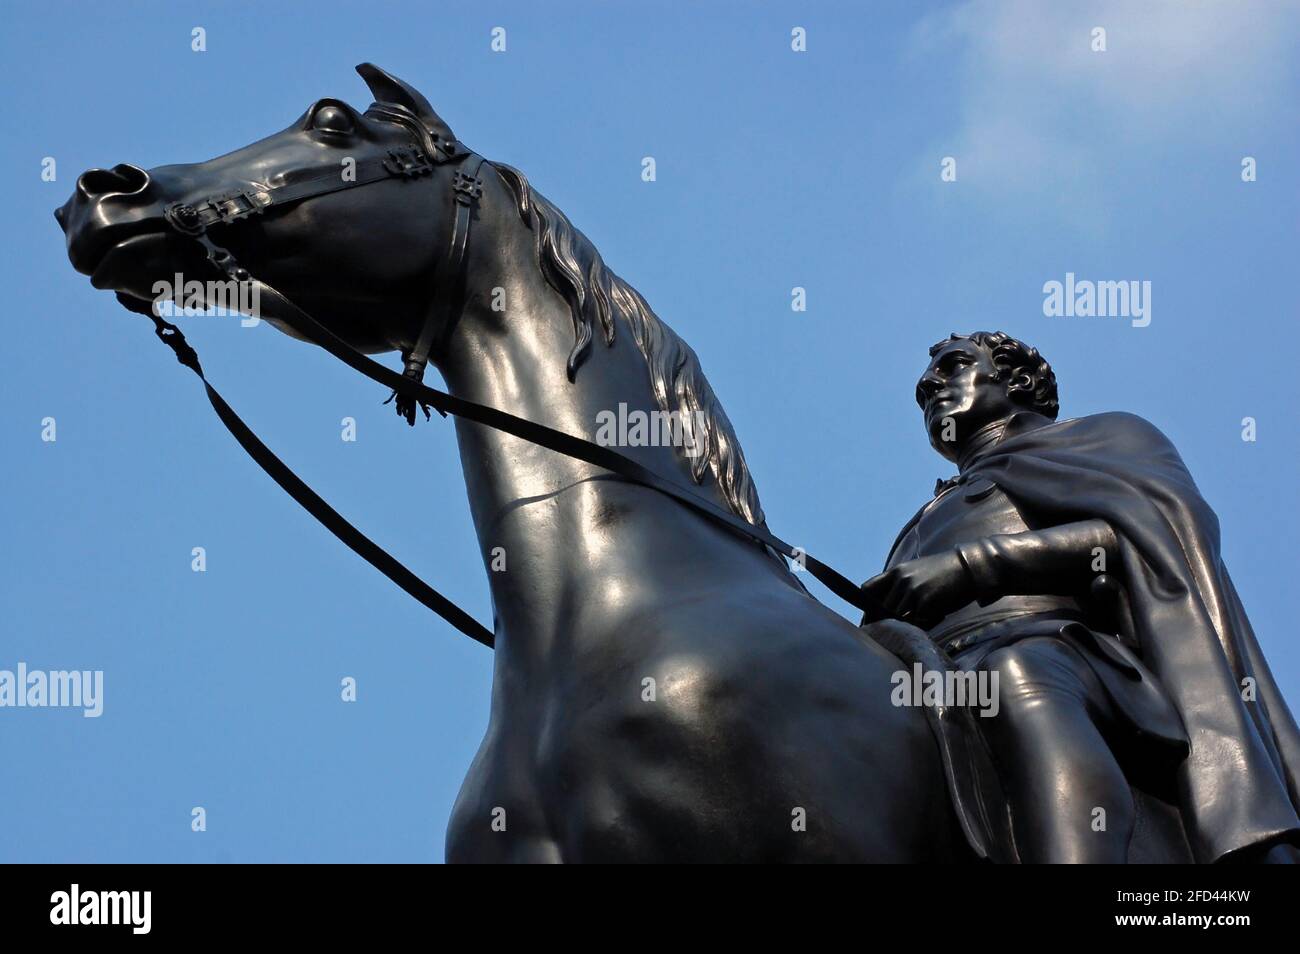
pixel 389 89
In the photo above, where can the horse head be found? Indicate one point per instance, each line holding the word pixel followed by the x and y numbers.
pixel 287 209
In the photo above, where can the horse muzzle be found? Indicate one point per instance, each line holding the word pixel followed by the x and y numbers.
pixel 116 229
pixel 107 206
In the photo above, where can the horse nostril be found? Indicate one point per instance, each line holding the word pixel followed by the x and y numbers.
pixel 134 176
pixel 122 179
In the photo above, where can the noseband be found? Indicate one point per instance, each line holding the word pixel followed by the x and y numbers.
pixel 193 220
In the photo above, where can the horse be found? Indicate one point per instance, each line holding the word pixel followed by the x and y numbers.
pixel 664 689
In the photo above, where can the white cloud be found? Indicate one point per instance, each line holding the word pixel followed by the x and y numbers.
pixel 1040 114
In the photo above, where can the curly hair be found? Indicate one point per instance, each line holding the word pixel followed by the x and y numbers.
pixel 1030 379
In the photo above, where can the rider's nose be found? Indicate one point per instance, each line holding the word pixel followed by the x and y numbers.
pixel 122 179
pixel 929 384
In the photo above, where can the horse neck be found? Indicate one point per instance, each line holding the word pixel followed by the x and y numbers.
pixel 579 546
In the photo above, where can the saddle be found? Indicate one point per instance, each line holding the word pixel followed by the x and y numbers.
pixel 971 777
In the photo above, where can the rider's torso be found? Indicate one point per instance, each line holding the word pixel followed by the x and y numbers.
pixel 968 511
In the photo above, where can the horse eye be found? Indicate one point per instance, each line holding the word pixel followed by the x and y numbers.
pixel 331 118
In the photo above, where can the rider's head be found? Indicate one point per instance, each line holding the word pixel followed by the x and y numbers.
pixel 978 379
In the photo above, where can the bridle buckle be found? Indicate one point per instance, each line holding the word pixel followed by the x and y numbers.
pixel 195 219
pixel 408 162
pixel 184 218
pixel 238 205
pixel 467 188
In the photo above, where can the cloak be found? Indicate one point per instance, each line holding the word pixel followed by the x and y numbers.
pixel 1238 785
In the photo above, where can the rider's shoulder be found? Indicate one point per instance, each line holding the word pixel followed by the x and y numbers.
pixel 1120 425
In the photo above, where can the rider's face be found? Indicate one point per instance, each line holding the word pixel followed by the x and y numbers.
pixel 960 392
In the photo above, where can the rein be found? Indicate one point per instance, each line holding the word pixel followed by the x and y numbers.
pixel 409 389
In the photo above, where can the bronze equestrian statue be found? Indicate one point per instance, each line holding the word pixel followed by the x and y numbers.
pixel 664 687
pixel 1078 561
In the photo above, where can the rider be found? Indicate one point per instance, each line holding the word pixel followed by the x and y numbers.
pixel 1077 560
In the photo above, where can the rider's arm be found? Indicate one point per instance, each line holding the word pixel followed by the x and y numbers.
pixel 1057 560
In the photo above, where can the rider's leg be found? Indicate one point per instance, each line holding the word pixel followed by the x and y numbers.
pixel 1070 801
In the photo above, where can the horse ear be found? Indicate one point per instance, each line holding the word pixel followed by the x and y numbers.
pixel 387 88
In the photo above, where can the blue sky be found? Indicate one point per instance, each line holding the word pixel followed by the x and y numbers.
pixel 775 169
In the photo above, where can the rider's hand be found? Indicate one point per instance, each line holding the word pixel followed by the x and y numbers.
pixel 925 590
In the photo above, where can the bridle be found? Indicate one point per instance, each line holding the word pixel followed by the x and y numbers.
pixel 418 161
pixel 193 219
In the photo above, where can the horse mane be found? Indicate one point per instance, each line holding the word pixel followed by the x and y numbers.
pixel 574 268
